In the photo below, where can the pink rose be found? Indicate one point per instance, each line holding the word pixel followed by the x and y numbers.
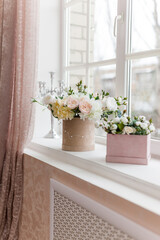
pixel 72 102
pixel 85 107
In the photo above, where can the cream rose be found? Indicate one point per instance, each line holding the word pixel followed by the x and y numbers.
pixel 129 130
pixel 72 102
pixel 85 107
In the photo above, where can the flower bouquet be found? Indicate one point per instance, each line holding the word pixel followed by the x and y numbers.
pixel 128 140
pixel 79 111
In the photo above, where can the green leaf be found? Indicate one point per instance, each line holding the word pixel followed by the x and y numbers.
pixel 34 100
pixel 121 126
pixel 97 98
pixel 90 96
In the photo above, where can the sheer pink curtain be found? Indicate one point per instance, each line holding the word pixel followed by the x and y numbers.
pixel 18 50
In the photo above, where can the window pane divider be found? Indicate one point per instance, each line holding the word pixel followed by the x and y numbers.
pixel 120 51
pixel 92 64
pixel 144 54
pixel 88 42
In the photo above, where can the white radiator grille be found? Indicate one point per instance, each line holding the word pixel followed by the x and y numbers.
pixel 73 222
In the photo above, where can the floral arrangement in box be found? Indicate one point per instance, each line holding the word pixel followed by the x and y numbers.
pixel 76 102
pixel 116 121
pixel 128 140
pixel 126 125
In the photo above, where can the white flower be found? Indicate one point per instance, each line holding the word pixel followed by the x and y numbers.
pixel 124 120
pixel 113 127
pixel 138 123
pixel 143 125
pixel 120 100
pixel 147 131
pixel 116 120
pixel 106 125
pixel 128 130
pixel 151 127
pixel 113 131
pixel 96 110
pixel 110 103
pixel 122 108
pixel 48 99
pixel 142 118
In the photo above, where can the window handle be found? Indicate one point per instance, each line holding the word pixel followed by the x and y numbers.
pixel 119 17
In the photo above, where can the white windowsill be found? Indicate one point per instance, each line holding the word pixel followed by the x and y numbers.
pixel 136 183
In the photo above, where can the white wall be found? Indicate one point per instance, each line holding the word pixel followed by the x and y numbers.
pixel 49 55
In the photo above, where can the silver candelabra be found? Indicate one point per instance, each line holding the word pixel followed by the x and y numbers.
pixel 58 91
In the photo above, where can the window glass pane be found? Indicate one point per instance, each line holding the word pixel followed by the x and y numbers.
pixel 146 90
pixel 75 76
pixel 77 33
pixel 145 25
pixel 103 78
pixel 102 41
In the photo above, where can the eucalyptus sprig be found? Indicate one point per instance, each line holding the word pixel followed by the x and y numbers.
pixel 104 94
pixel 81 88
pixel 70 91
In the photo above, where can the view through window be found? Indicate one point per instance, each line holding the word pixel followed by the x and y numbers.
pixel 92 50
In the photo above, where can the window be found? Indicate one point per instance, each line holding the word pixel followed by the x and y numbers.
pixel 143 59
pixel 90 44
pixel 127 64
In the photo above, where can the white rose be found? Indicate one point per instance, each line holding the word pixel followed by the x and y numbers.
pixel 110 103
pixel 129 130
pixel 48 99
pixel 144 125
pixel 116 120
pixel 124 120
pixel 151 127
pixel 96 105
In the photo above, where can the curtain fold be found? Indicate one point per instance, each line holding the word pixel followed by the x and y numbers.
pixel 18 54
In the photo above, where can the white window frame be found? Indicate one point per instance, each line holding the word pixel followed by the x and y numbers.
pixel 122 60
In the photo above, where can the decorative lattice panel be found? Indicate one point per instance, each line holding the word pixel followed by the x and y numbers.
pixel 72 222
